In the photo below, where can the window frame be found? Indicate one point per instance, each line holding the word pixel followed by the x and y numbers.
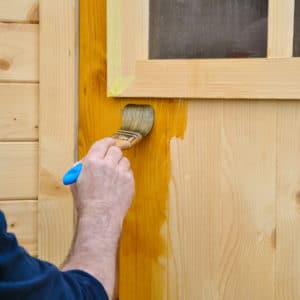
pixel 132 74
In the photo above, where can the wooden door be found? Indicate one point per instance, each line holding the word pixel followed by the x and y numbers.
pixel 216 210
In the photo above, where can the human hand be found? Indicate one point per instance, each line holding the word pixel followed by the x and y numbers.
pixel 105 186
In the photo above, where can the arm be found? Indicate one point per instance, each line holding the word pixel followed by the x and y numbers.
pixel 103 195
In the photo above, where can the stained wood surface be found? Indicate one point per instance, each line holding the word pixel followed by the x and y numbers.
pixel 19 111
pixel 19 52
pixel 19 170
pixel 57 127
pixel 218 219
pixel 19 11
pixel 21 217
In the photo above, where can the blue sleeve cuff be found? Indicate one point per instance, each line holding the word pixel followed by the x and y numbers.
pixel 92 286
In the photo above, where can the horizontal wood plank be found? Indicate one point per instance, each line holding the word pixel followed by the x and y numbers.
pixel 18 111
pixel 18 172
pixel 19 11
pixel 21 217
pixel 19 52
pixel 219 78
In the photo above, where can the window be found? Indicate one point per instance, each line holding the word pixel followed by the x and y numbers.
pixel 204 49
pixel 208 29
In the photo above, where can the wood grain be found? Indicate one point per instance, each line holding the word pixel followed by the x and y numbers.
pixel 222 202
pixel 57 127
pixel 288 202
pixel 19 111
pixel 144 245
pixel 19 52
pixel 219 78
pixel 194 205
pixel 21 217
pixel 247 252
pixel 281 28
pixel 19 11
pixel 18 173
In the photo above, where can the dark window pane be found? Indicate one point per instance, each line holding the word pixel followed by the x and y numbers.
pixel 297 29
pixel 208 28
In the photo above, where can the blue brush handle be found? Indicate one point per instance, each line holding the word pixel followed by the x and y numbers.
pixel 72 175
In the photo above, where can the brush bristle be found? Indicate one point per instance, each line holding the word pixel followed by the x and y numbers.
pixel 138 118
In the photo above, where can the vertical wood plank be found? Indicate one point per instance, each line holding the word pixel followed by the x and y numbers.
pixel 247 253
pixel 281 28
pixel 194 205
pixel 57 127
pixel 288 202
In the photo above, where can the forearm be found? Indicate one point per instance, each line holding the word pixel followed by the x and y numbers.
pixel 95 247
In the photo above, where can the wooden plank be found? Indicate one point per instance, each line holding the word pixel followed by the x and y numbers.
pixel 19 111
pixel 281 28
pixel 144 246
pixel 18 173
pixel 19 52
pixel 57 127
pixel 21 217
pixel 123 20
pixel 219 78
pixel 19 11
pixel 247 251
pixel 288 202
pixel 194 205
pixel 222 202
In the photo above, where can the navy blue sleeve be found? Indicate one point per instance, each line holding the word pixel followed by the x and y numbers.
pixel 23 277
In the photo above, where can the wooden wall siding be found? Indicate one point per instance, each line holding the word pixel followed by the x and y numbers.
pixel 229 226
pixel 19 52
pixel 19 118
pixel 22 220
pixel 18 173
pixel 25 11
pixel 19 112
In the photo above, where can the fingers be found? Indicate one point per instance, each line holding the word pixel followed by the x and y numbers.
pixel 124 165
pixel 100 148
pixel 113 155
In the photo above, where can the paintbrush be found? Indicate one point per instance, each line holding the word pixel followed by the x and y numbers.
pixel 137 122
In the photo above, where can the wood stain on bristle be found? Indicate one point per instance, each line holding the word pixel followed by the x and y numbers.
pixel 138 118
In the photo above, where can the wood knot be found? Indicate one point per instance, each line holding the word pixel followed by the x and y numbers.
pixel 4 64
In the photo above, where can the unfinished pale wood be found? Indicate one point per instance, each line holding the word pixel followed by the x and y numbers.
pixel 128 19
pixel 131 74
pixel 194 205
pixel 247 250
pixel 18 172
pixel 222 78
pixel 281 28
pixel 19 11
pixel 57 127
pixel 18 111
pixel 288 202
pixel 222 203
pixel 18 52
pixel 21 217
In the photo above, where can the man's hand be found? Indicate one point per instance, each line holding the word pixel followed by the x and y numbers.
pixel 106 183
pixel 102 194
